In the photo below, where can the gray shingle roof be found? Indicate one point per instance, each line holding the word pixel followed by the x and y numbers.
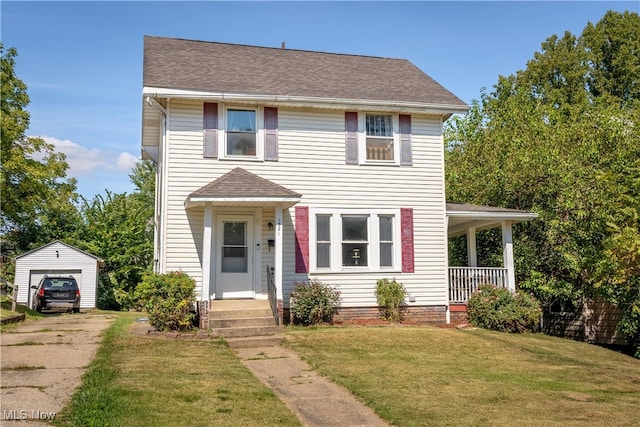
pixel 239 183
pixel 230 68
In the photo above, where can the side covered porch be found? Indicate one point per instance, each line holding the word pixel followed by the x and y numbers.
pixel 467 220
pixel 242 245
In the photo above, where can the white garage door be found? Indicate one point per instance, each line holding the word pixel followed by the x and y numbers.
pixel 36 275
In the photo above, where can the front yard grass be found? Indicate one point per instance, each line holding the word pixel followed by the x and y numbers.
pixel 142 381
pixel 417 376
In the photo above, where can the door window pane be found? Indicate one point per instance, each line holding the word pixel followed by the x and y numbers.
pixel 234 248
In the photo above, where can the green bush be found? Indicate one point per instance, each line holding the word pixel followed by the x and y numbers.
pixel 499 309
pixel 390 296
pixel 314 302
pixel 167 299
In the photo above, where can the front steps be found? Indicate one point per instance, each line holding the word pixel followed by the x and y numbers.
pixel 244 323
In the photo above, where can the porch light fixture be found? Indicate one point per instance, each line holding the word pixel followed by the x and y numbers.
pixel 270 226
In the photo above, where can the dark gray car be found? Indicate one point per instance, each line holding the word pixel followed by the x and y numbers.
pixel 59 292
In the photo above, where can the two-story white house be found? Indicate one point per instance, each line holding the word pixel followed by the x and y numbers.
pixel 277 166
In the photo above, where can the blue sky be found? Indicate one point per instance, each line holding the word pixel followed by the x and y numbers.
pixel 82 61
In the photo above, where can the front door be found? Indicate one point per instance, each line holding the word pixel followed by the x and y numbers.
pixel 234 257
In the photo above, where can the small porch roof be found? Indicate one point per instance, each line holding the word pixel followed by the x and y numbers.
pixel 242 188
pixel 462 216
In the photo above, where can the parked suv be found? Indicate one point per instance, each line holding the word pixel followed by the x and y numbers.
pixel 57 292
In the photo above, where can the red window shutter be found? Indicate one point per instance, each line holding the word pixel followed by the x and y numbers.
pixel 210 126
pixel 351 137
pixel 406 231
pixel 405 140
pixel 302 239
pixel 271 134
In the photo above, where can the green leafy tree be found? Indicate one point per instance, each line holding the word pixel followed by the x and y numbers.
pixel 119 229
pixel 38 201
pixel 561 138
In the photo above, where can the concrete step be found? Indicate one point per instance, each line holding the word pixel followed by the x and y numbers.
pixel 253 342
pixel 235 304
pixel 246 331
pixel 239 313
pixel 231 322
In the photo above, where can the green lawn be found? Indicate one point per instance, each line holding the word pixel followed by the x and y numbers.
pixel 411 376
pixel 141 381
pixel 414 376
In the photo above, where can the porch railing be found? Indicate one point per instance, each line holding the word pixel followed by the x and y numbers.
pixel 273 297
pixel 464 280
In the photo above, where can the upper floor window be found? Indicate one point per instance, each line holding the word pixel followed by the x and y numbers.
pixel 379 137
pixel 242 133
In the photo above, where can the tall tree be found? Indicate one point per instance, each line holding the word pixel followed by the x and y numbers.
pixel 119 229
pixel 37 198
pixel 561 138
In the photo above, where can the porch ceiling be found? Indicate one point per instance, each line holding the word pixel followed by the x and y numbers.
pixel 462 216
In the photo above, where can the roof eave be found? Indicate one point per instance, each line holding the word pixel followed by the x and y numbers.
pixel 197 201
pixel 308 101
pixel 504 216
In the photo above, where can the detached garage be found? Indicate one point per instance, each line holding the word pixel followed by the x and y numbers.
pixel 57 258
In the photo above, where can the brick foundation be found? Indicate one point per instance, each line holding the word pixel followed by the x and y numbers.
pixel 422 315
pixel 458 313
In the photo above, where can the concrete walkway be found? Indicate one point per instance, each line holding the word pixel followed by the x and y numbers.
pixel 314 399
pixel 43 362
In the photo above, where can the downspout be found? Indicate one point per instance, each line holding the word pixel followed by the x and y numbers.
pixel 158 247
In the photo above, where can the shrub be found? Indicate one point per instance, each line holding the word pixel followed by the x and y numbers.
pixel 314 302
pixel 491 307
pixel 167 299
pixel 390 296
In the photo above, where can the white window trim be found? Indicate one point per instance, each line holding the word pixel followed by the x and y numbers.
pixel 362 139
pixel 222 141
pixel 335 251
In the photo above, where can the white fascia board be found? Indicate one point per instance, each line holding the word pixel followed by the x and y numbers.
pixel 194 201
pixel 303 101
pixel 502 216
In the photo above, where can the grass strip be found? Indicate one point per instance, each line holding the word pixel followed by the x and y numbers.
pixel 143 381
pixel 418 376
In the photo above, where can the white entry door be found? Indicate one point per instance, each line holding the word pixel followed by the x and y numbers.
pixel 234 257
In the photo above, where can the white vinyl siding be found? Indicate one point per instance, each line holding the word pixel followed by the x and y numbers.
pixel 311 146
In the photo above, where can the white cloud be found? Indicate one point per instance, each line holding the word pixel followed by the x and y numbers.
pixel 87 161
pixel 126 161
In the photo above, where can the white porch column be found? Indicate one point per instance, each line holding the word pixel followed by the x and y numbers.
pixel 472 256
pixel 207 244
pixel 507 253
pixel 277 276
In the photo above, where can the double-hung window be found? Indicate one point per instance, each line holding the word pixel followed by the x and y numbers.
pixel 242 133
pixel 354 240
pixel 379 137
